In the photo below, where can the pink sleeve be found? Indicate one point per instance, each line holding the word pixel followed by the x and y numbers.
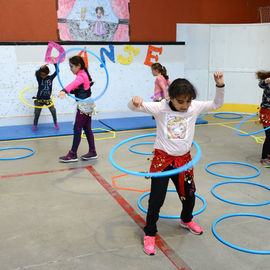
pixel 75 84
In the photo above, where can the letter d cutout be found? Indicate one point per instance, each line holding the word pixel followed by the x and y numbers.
pixel 59 48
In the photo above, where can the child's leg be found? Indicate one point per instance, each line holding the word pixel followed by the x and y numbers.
pixel 89 135
pixel 53 112
pixel 157 196
pixel 189 202
pixel 36 113
pixel 79 123
pixel 266 145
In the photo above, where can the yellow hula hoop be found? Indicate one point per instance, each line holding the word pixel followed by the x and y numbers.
pixel 40 107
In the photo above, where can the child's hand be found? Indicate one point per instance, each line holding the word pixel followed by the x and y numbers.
pixel 61 94
pixel 137 101
pixel 53 59
pixel 267 80
pixel 218 76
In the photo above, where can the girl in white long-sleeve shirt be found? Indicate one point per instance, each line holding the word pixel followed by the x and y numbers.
pixel 175 120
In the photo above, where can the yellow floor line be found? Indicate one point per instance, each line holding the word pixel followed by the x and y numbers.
pixel 259 140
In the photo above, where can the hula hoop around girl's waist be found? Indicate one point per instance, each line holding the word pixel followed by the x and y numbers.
pixel 155 174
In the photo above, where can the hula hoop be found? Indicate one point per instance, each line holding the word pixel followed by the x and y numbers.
pixel 200 117
pixel 248 134
pixel 234 246
pixel 156 174
pixel 30 149
pixel 103 65
pixel 236 203
pixel 40 107
pixel 138 152
pixel 172 217
pixel 233 162
pixel 238 115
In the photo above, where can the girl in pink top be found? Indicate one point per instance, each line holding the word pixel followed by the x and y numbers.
pixel 161 83
pixel 175 121
pixel 80 87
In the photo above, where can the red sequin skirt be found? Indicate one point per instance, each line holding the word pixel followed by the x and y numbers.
pixel 265 117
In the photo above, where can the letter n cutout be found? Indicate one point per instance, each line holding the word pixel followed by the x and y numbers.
pixel 110 54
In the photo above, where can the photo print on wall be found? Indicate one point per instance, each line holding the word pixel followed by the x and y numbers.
pixel 93 20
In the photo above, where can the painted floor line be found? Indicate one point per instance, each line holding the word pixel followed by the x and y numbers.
pixel 175 259
pixel 42 172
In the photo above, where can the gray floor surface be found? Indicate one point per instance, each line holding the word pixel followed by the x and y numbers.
pixel 54 217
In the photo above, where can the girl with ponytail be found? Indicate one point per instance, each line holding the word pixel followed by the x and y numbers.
pixel 81 88
pixel 162 82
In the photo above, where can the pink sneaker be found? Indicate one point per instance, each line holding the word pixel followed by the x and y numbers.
pixel 56 126
pixel 89 155
pixel 70 157
pixel 34 128
pixel 149 245
pixel 192 226
pixel 265 162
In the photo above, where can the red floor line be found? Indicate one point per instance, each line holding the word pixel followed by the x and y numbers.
pixel 176 260
pixel 32 173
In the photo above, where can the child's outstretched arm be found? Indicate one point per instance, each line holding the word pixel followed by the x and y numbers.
pixel 55 65
pixel 218 76
pixel 138 105
pixel 263 83
pixel 137 101
pixel 206 106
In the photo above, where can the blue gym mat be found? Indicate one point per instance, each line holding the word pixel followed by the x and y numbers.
pixel 20 132
pixel 130 123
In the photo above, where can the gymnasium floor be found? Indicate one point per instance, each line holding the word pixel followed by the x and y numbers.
pixel 57 216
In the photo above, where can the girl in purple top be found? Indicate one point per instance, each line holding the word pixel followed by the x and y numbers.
pixel 80 87
pixel 99 29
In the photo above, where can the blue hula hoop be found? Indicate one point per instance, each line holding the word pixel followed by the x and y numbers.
pixel 237 115
pixel 233 162
pixel 200 117
pixel 236 203
pixel 243 121
pixel 156 174
pixel 172 217
pixel 25 148
pixel 234 246
pixel 103 65
pixel 138 152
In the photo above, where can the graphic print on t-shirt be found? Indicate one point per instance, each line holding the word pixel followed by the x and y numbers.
pixel 176 127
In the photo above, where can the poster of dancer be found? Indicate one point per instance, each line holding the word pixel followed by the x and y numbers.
pixel 93 20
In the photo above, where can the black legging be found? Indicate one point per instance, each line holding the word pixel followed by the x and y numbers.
pixel 266 145
pixel 157 196
pixel 38 110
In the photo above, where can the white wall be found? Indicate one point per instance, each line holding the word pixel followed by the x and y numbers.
pixel 19 63
pixel 239 50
